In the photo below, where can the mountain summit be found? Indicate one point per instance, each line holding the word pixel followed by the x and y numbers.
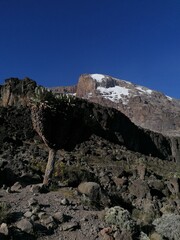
pixel 147 108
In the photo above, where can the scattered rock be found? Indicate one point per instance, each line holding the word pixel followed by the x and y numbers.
pixel 59 217
pixel 174 185
pixel 16 187
pixel 90 189
pixel 117 234
pixel 4 229
pixel 65 201
pixel 143 236
pixel 156 236
pixel 36 188
pixel 32 202
pixel 28 214
pixel 69 226
pixel 141 169
pixel 49 222
pixel 120 181
pixel 105 234
pixel 4 187
pixel 25 225
pixel 125 235
pixel 139 188
pixel 8 190
pixel 35 209
pixel 34 218
pixel 42 215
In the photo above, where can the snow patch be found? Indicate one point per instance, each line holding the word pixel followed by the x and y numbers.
pixel 97 77
pixel 169 98
pixel 114 93
pixel 124 81
pixel 90 95
pixel 148 91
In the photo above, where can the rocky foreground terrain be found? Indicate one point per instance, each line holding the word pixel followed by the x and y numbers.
pixel 112 179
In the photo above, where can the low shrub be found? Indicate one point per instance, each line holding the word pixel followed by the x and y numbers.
pixel 168 226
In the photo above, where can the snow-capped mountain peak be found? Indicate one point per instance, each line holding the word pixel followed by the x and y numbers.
pixel 120 90
pixel 97 77
pixel 116 90
pixel 144 106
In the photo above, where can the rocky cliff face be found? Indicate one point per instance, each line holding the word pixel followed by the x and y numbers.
pixel 67 89
pixel 77 122
pixel 16 92
pixel 146 108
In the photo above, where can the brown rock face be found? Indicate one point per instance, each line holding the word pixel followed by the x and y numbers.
pixel 16 92
pixel 146 108
pixel 86 87
pixel 67 89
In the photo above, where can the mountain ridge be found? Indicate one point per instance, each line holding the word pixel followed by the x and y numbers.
pixel 147 108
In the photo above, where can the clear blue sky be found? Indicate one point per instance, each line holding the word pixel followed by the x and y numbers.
pixel 54 41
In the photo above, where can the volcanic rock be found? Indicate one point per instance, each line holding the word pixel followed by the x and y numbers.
pixel 4 229
pixel 90 189
pixel 145 107
pixel 25 225
pixel 16 92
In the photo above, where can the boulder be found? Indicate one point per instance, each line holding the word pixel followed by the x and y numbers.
pixel 91 190
pixel 25 226
pixel 174 185
pixel 156 236
pixel 105 234
pixel 139 188
pixel 4 229
pixel 65 202
pixel 69 226
pixel 32 202
pixel 48 222
pixel 59 217
pixel 16 187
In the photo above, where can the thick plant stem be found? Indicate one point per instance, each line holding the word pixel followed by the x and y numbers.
pixel 49 166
